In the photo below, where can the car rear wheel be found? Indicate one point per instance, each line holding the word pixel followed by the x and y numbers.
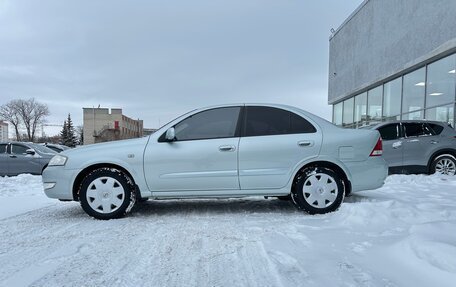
pixel 107 193
pixel 318 190
pixel 444 164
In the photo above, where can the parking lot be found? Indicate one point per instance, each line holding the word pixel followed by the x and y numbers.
pixel 402 234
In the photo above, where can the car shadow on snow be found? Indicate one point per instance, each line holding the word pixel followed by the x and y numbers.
pixel 214 206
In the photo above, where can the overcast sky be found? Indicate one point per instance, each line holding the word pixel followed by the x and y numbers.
pixel 159 59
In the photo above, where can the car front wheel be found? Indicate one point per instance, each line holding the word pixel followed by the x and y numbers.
pixel 107 193
pixel 318 190
pixel 444 164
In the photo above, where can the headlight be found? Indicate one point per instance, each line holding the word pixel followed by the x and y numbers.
pixel 58 160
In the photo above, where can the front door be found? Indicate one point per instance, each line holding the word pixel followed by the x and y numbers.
pixel 203 155
pixel 21 162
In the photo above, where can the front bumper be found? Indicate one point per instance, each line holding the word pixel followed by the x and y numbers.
pixel 58 182
pixel 368 174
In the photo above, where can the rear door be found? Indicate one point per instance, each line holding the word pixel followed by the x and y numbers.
pixel 420 142
pixel 392 142
pixel 273 142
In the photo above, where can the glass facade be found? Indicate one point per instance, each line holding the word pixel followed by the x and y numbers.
pixel 429 92
pixel 337 114
pixel 374 104
pixel 392 91
pixel 347 119
pixel 360 109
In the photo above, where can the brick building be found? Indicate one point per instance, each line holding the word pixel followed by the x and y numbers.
pixel 103 124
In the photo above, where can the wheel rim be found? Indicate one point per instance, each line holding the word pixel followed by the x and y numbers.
pixel 445 166
pixel 320 190
pixel 105 195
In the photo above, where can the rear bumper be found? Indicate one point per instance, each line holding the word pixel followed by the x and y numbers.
pixel 368 174
pixel 58 182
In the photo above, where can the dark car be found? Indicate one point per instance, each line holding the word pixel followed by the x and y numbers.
pixel 418 146
pixel 20 157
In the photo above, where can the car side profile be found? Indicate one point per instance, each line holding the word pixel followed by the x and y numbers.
pixel 223 151
pixel 418 146
pixel 20 157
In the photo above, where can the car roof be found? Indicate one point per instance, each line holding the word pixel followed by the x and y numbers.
pixel 376 125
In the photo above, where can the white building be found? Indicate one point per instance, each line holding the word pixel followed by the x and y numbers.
pixel 393 60
pixel 3 131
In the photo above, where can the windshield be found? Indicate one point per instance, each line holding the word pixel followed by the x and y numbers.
pixel 42 149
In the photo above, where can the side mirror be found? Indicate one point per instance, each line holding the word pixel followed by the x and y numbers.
pixel 170 135
pixel 30 151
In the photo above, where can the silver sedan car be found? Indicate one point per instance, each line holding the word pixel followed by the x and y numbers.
pixel 223 151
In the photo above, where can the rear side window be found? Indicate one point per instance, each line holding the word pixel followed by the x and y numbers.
pixel 436 128
pixel 417 129
pixel 264 121
pixel 389 132
pixel 210 124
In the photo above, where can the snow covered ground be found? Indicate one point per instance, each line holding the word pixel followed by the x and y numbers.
pixel 403 234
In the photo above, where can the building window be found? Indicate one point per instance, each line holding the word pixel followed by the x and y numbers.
pixel 337 114
pixel 441 82
pixel 374 102
pixel 417 115
pixel 360 109
pixel 392 91
pixel 348 112
pixel 413 91
pixel 441 114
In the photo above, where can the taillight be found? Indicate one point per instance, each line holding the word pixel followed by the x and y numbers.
pixel 378 148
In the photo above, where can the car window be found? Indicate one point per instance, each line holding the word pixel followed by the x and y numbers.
pixel 262 121
pixel 3 148
pixel 210 124
pixel 389 132
pixel 19 149
pixel 417 129
pixel 436 128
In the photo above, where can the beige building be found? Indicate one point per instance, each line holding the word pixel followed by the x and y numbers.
pixel 3 131
pixel 103 124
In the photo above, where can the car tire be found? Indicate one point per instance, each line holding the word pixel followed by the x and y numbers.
pixel 107 193
pixel 318 190
pixel 444 164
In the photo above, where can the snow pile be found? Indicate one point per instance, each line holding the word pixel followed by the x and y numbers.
pixel 22 193
pixel 403 234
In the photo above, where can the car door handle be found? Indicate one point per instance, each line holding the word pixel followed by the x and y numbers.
pixel 227 148
pixel 305 143
pixel 13 156
pixel 413 141
pixel 434 142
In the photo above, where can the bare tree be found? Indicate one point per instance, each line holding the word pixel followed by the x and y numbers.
pixel 29 112
pixel 32 114
pixel 9 113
